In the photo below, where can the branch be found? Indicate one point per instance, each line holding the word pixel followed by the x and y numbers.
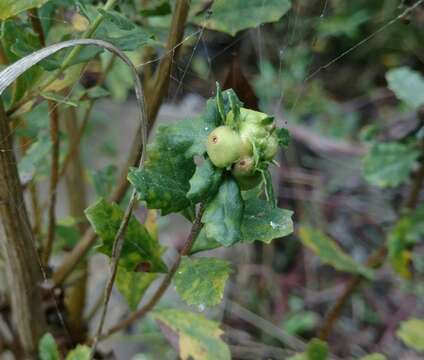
pixel 152 104
pixel 18 247
pixel 195 230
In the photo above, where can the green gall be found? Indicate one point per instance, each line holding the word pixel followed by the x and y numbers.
pixel 271 148
pixel 224 146
pixel 244 167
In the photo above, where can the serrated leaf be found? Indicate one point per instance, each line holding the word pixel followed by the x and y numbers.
pixel 139 253
pixel 81 352
pixel 232 16
pixel 132 285
pixel 223 214
pixel 263 222
pixel 389 164
pixel 283 137
pixel 373 356
pixel 411 332
pixel 408 85
pixel 47 348
pixel 203 243
pixel 201 281
pixel 9 8
pixel 408 231
pixel 36 154
pixel 205 182
pixel 193 335
pixel 164 181
pixel 330 253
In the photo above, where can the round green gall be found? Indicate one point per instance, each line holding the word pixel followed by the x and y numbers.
pixel 271 148
pixel 224 146
pixel 244 167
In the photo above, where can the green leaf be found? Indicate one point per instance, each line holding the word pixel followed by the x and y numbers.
pixel 164 181
pixel 411 332
pixel 132 285
pixel 389 164
pixel 316 350
pixel 9 8
pixel 205 182
pixel 283 137
pixel 408 85
pixel 35 155
pixel 117 19
pixel 81 352
pixel 47 348
pixel 223 214
pixel 373 356
pixel 201 281
pixel 330 253
pixel 140 251
pixel 194 336
pixel 263 222
pixel 232 16
pixel 204 243
pixel 407 232
pixel 301 322
pixel 129 40
pixel 58 99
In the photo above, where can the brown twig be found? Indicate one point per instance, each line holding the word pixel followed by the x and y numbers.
pixel 197 226
pixel 374 261
pixel 154 99
pixel 54 179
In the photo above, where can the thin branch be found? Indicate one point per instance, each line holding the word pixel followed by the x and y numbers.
pixel 152 104
pixel 195 230
pixel 54 179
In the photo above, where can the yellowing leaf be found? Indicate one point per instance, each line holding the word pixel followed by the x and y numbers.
pixel 330 253
pixel 132 285
pixel 9 8
pixel 201 281
pixel 193 335
pixel 411 332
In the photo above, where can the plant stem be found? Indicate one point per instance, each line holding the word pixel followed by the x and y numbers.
pixel 18 247
pixel 374 261
pixel 54 179
pixel 195 230
pixel 152 104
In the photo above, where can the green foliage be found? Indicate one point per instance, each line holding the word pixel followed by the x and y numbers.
pixel 374 356
pixel 224 213
pixel 205 182
pixel 389 164
pixel 408 85
pixel 164 181
pixel 81 352
pixel 201 281
pixel 407 232
pixel 411 332
pixel 301 322
pixel 197 337
pixel 47 348
pixel 132 285
pixel 9 8
pixel 263 222
pixel 140 250
pixel 316 350
pixel 330 253
pixel 232 16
